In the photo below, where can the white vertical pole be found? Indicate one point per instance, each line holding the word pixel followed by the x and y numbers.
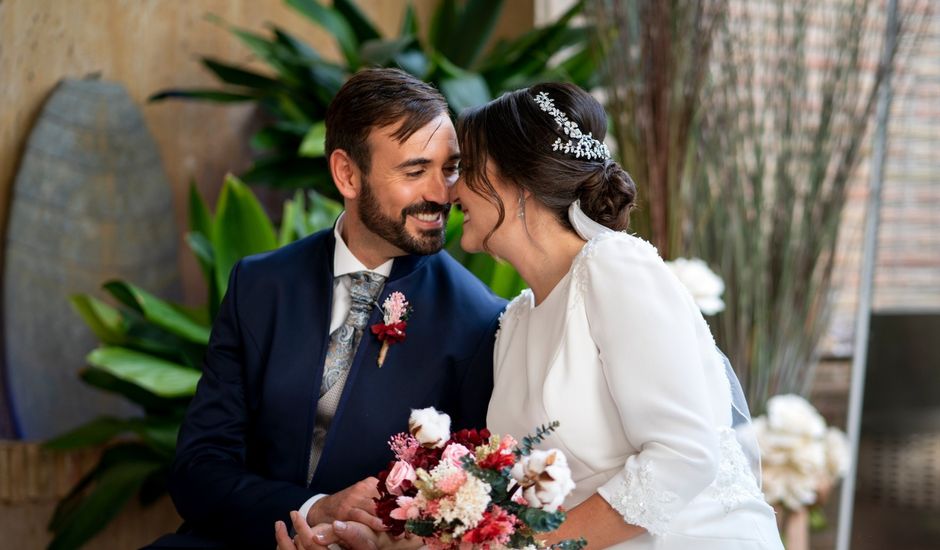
pixel 869 253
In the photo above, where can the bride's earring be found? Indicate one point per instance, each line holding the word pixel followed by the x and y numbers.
pixel 521 213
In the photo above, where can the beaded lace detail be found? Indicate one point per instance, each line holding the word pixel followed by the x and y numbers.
pixel 642 502
pixel 579 267
pixel 735 482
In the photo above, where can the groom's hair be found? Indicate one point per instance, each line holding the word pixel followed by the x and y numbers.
pixel 377 98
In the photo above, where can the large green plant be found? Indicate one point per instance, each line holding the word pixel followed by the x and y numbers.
pixel 300 83
pixel 151 353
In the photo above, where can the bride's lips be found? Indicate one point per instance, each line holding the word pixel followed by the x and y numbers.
pixel 428 221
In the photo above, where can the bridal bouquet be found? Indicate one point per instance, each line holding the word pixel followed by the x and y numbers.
pixel 472 488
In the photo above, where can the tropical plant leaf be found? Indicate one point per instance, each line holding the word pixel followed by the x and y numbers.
pixel 360 24
pixel 215 96
pixel 159 312
pixel 241 228
pixel 113 483
pixel 314 143
pixel 159 432
pixel 334 23
pixel 380 53
pixel 149 401
pixel 105 321
pixel 409 22
pixel 238 76
pixel 443 24
pixel 157 376
pixel 414 62
pixel 472 31
pixel 465 91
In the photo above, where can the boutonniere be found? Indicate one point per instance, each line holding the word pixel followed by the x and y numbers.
pixel 395 313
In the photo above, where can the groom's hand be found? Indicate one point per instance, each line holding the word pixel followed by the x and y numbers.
pixel 351 536
pixel 353 503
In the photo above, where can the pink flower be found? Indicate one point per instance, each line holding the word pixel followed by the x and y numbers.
pixel 401 472
pixel 453 482
pixel 496 527
pixel 404 446
pixel 408 508
pixel 453 453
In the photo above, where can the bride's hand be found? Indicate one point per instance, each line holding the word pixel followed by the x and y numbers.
pixel 350 535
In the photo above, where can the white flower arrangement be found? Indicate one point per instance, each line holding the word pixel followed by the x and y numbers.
pixel 800 457
pixel 705 286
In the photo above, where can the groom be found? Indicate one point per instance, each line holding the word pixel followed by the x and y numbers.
pixel 294 408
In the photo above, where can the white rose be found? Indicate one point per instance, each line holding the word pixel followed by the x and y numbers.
pixel 793 414
pixel 705 286
pixel 837 454
pixel 545 479
pixel 430 427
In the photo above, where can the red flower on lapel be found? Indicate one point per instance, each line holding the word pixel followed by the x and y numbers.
pixel 395 313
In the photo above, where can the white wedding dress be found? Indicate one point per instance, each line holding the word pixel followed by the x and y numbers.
pixel 620 355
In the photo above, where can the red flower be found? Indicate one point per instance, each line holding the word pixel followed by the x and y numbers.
pixel 498 460
pixel 392 333
pixel 470 439
pixel 495 527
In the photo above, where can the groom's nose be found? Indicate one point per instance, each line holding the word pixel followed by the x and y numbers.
pixel 436 190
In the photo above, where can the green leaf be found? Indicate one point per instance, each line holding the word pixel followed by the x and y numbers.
pixel 97 431
pixel 289 219
pixel 293 172
pixel 442 25
pixel 314 143
pixel 409 23
pixel 380 53
pixel 200 220
pixel 151 402
pixel 215 96
pixel 414 62
pixel 105 321
pixel 113 488
pixel 465 91
pixel 240 77
pixel 472 31
pixel 157 376
pixel 361 26
pixel 241 228
pixel 159 312
pixel 158 432
pixel 334 22
pixel 322 212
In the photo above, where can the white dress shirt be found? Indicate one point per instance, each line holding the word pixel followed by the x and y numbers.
pixel 344 263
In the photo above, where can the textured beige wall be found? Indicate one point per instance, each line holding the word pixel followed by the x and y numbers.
pixel 149 45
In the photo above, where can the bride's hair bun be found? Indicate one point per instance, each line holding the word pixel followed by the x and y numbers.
pixel 608 195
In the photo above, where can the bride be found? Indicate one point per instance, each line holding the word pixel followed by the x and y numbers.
pixel 607 341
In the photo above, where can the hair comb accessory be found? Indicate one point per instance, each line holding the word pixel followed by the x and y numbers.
pixel 580 145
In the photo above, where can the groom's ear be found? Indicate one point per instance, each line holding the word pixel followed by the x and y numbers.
pixel 345 173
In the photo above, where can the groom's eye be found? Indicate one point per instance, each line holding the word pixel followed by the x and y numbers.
pixel 414 174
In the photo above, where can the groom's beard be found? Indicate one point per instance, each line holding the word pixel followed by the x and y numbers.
pixel 395 231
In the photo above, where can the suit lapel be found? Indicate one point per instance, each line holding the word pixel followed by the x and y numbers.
pixel 314 299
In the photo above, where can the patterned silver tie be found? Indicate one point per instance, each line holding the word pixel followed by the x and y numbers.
pixel 343 343
pixel 344 340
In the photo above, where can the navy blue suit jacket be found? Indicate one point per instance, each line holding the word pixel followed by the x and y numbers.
pixel 243 449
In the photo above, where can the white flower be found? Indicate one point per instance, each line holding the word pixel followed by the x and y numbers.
pixel 705 286
pixel 793 414
pixel 466 506
pixel 837 454
pixel 799 456
pixel 430 427
pixel 545 478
